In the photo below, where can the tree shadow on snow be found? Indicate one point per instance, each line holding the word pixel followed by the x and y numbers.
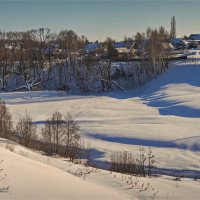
pixel 175 108
pixel 149 92
pixel 148 142
pixel 185 173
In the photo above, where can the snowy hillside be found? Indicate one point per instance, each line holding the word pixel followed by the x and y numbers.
pixel 29 179
pixel 30 175
pixel 163 115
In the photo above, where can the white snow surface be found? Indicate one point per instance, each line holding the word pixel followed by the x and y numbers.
pixel 164 115
pixel 30 179
pixel 32 175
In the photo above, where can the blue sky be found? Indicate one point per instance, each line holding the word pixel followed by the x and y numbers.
pixel 98 19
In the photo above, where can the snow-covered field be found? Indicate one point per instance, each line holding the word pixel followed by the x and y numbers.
pixel 30 175
pixel 163 115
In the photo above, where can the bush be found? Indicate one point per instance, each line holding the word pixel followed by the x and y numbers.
pixel 135 164
pixel 10 147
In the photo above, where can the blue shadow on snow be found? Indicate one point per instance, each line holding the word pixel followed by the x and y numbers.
pixel 145 142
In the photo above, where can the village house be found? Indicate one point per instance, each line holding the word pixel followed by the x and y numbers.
pixel 194 40
pixel 95 50
pixel 180 43
pixel 125 49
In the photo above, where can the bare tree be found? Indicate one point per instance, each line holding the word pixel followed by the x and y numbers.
pixel 104 75
pixel 53 132
pixel 71 136
pixel 70 44
pixel 154 48
pixel 27 63
pixel 5 121
pixel 127 162
pixel 62 135
pixel 26 130
pixel 25 71
pixel 141 159
pixel 4 61
pixel 151 162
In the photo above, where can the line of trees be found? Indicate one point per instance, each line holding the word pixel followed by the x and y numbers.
pixel 60 135
pixel 141 163
pixel 31 61
pixel 28 56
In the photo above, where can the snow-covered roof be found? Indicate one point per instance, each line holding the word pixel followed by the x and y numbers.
pixel 176 41
pixel 119 45
pixel 92 47
pixel 185 42
pixel 194 37
pixel 128 45
pixel 179 41
pixel 167 45
pixel 123 50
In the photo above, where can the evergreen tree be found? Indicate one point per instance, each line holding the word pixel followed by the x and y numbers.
pixel 173 28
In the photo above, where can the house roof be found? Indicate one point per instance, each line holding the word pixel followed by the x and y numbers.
pixel 122 44
pixel 179 41
pixel 92 47
pixel 123 50
pixel 119 45
pixel 167 45
pixel 194 37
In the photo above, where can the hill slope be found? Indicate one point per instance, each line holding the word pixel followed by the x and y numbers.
pixel 29 179
pixel 163 115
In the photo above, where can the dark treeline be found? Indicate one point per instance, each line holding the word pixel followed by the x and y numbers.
pixel 42 60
